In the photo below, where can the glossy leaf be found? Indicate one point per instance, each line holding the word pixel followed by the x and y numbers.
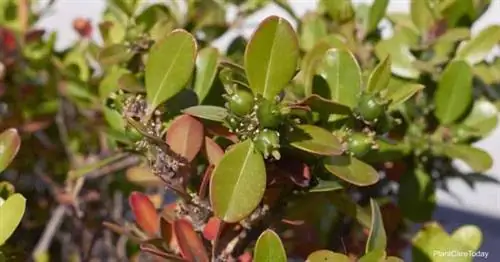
pixel 314 139
pixel 454 92
pixel 477 159
pixel 9 146
pixel 313 28
pixel 145 213
pixel 185 136
pixel 271 57
pixel 211 229
pixel 167 234
pixel 213 151
pixel 206 70
pixel 475 50
pixel 377 255
pixel 352 170
pixel 238 182
pixel 11 214
pixel 214 113
pixel 401 57
pixel 377 239
pixel 433 237
pixel 417 196
pixel 470 235
pixel 376 13
pixel 190 244
pixel 399 95
pixel 324 106
pixel 380 76
pixel 142 176
pixel 342 73
pixel 483 118
pixel 326 255
pixel 169 66
pixel 269 248
pixel 315 56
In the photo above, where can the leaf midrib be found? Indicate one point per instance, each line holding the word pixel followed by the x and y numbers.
pixel 453 98
pixel 271 56
pixel 178 53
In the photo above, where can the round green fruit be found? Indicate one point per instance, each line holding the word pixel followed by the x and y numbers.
pixel 370 108
pixel 241 102
pixel 359 144
pixel 268 143
pixel 269 114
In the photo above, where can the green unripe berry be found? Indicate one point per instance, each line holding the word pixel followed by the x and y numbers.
pixel 369 108
pixel 268 143
pixel 269 114
pixel 359 144
pixel 241 101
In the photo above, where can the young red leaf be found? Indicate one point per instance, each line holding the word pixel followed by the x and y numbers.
pixel 213 151
pixel 190 244
pixel 185 136
pixel 211 228
pixel 202 193
pixel 168 212
pixel 167 233
pixel 145 213
pixel 245 257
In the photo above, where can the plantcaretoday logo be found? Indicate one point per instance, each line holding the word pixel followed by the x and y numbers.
pixel 459 253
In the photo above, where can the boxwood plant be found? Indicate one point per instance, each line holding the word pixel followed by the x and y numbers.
pixel 315 138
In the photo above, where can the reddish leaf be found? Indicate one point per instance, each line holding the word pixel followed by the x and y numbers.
pixel 168 212
pixel 155 251
pixel 190 244
pixel 211 228
pixel 219 130
pixel 205 182
pixel 213 151
pixel 166 233
pixel 36 125
pixel 34 35
pixel 185 136
pixel 245 257
pixel 7 40
pixel 82 26
pixel 145 213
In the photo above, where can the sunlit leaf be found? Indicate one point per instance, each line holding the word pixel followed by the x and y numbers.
pixel 169 66
pixel 483 118
pixel 206 70
pixel 11 214
pixel 185 136
pixel 214 113
pixel 380 76
pixel 475 50
pixel 269 248
pixel 314 139
pixel 399 95
pixel 376 13
pixel 478 159
pixel 351 170
pixel 313 28
pixel 342 73
pixel 377 239
pixel 213 151
pixel 423 14
pixel 142 175
pixel 326 255
pixel 238 182
pixel 271 57
pixel 470 235
pixel 9 146
pixel 454 92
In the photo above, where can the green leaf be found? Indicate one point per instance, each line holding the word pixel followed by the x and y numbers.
pixel 417 196
pixel 433 239
pixel 377 12
pixel 315 56
pixel 346 205
pixel 422 14
pixel 269 248
pixel 483 118
pixel 340 11
pixel 325 107
pixel 377 239
pixel 401 57
pixel 325 186
pixel 114 54
pixel 454 92
pixel 401 94
pixel 11 212
pixel 475 50
pixel 9 146
pixel 478 159
pixel 206 70
pixel 342 73
pixel 238 183
pixel 214 113
pixel 114 119
pixel 314 139
pixel 377 255
pixel 271 57
pixel 110 83
pixel 470 235
pixel 313 28
pixel 380 76
pixel 326 255
pixel 352 170
pixel 169 67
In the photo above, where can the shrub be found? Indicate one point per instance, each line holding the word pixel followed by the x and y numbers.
pixel 326 142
